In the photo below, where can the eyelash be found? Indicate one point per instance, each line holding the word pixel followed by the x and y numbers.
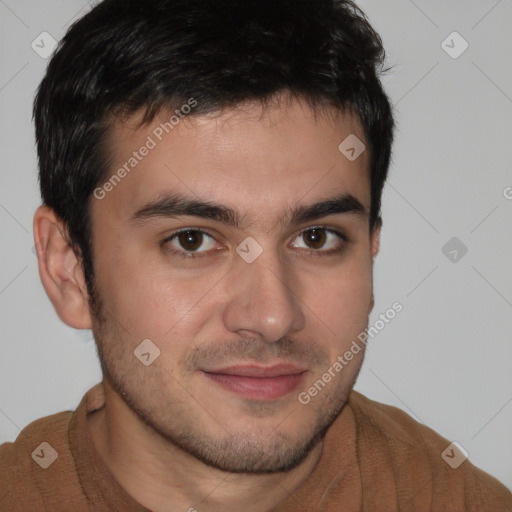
pixel 184 254
pixel 319 252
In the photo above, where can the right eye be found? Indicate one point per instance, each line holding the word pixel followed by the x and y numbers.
pixel 191 241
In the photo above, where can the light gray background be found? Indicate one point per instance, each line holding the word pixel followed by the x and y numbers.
pixel 446 358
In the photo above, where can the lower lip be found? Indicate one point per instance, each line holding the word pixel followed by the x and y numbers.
pixel 257 388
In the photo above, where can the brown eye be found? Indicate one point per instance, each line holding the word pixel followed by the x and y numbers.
pixel 191 243
pixel 314 238
pixel 320 240
pixel 190 240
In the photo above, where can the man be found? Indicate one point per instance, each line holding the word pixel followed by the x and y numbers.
pixel 211 173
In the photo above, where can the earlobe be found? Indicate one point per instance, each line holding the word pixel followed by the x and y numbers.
pixel 60 269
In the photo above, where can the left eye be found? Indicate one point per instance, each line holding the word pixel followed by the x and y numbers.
pixel 318 239
pixel 192 240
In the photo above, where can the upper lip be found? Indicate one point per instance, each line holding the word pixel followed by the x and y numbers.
pixel 259 371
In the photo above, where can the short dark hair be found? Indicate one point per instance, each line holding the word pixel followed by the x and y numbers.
pixel 127 56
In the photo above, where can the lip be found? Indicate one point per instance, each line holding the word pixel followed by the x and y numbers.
pixel 259 371
pixel 258 382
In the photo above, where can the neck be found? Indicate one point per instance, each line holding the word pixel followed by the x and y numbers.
pixel 164 478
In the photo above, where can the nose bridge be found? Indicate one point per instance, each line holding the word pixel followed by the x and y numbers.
pixel 263 299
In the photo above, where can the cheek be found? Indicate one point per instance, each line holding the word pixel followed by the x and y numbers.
pixel 152 300
pixel 341 299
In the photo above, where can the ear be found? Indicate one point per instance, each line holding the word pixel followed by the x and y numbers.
pixel 374 249
pixel 60 270
pixel 375 238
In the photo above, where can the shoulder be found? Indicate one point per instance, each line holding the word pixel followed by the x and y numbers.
pixel 39 453
pixel 419 458
pixel 375 419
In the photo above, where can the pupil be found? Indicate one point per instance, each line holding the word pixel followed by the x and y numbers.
pixel 190 240
pixel 315 238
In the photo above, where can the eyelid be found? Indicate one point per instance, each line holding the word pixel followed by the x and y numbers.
pixel 343 240
pixel 183 253
pixel 188 228
pixel 331 229
pixel 176 232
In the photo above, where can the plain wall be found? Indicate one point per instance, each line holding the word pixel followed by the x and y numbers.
pixel 446 358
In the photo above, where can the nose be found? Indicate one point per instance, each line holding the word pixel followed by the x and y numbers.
pixel 263 300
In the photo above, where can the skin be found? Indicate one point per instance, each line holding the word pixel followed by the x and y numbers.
pixel 192 442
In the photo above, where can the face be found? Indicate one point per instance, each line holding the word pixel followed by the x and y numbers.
pixel 238 247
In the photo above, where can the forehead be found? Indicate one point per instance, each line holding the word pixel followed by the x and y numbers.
pixel 248 158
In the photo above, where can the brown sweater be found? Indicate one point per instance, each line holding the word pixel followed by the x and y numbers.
pixel 375 458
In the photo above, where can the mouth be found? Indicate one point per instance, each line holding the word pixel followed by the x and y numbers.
pixel 258 382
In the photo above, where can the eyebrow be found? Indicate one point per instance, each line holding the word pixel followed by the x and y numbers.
pixel 177 205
